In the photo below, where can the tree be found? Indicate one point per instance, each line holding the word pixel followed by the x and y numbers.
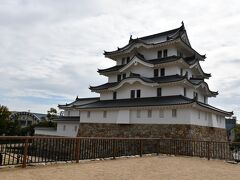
pixel 4 113
pixel 52 113
pixel 237 133
pixel 4 119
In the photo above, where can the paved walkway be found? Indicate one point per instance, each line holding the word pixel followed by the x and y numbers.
pixel 146 168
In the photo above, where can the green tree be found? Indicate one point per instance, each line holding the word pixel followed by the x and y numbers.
pixel 4 113
pixel 237 133
pixel 52 113
pixel 13 128
pixel 4 119
pixel 46 124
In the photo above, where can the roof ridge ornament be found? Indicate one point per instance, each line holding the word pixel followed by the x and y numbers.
pixel 182 23
pixel 130 39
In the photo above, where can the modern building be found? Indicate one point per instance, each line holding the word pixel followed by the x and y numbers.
pixel 156 89
pixel 230 125
pixel 27 118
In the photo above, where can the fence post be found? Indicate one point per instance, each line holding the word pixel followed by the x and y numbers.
pixel 114 148
pixel 208 150
pixel 1 158
pixel 140 147
pixel 25 153
pixel 77 150
pixel 158 146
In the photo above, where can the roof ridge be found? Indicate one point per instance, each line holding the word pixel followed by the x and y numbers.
pixel 160 34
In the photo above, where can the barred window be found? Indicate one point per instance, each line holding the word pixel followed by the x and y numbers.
pixel 104 114
pixel 174 113
pixel 161 113
pixel 149 113
pixel 88 114
pixel 138 113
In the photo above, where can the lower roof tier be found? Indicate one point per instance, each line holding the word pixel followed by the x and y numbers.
pixel 156 81
pixel 146 102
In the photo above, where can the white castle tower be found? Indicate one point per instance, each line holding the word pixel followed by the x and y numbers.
pixel 156 89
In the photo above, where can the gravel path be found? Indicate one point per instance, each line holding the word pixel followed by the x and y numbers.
pixel 146 168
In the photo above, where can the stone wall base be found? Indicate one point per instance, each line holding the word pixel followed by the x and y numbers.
pixel 175 131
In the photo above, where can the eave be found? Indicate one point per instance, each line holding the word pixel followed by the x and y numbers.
pixel 198 66
pixel 137 45
pixel 159 62
pixel 209 107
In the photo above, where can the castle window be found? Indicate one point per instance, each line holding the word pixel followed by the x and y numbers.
pixel 165 53
pixel 184 91
pixel 149 113
pixel 119 77
pixel 180 54
pixel 181 71
pixel 104 114
pixel 159 54
pixel 64 127
pixel 138 113
pixel 174 113
pixel 195 95
pixel 75 128
pixel 199 114
pixel 155 72
pixel 114 95
pixel 132 95
pixel 124 76
pixel 159 92
pixel 161 113
pixel 138 93
pixel 128 59
pixel 68 113
pixel 123 61
pixel 162 71
pixel 205 99
pixel 88 114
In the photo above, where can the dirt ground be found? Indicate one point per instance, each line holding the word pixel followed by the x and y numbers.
pixel 146 168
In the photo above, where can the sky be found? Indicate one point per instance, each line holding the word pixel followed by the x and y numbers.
pixel 50 50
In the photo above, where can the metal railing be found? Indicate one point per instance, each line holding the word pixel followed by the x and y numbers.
pixel 29 150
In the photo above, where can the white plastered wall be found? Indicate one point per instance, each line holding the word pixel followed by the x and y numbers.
pixel 71 112
pixel 96 116
pixel 186 115
pixel 206 118
pixel 146 91
pixel 70 130
pixel 183 117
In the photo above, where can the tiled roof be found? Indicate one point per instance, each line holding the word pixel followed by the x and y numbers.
pixel 67 118
pixel 189 60
pixel 170 35
pixel 163 79
pixel 78 100
pixel 111 69
pixel 151 101
pixel 214 108
pixel 138 102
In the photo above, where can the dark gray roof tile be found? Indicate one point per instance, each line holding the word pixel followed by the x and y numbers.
pixel 138 102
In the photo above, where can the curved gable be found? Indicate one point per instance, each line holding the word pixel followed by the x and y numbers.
pixel 135 60
pixel 196 66
pixel 133 80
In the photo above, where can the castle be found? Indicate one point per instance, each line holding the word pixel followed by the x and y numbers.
pixel 156 89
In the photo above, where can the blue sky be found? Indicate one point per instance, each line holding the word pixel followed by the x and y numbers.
pixel 50 49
